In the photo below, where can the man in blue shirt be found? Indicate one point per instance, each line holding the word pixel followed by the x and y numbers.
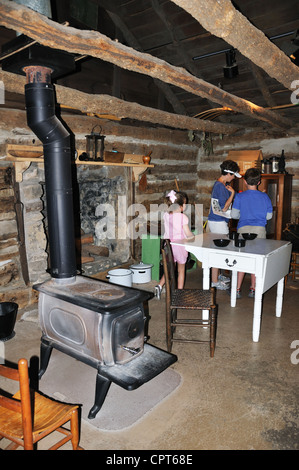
pixel 253 208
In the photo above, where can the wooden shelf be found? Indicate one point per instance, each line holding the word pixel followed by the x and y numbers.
pixel 23 156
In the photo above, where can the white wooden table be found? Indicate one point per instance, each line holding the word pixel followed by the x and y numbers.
pixel 269 260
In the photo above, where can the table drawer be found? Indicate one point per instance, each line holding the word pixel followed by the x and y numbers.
pixel 233 262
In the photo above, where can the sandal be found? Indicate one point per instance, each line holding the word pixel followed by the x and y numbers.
pixel 158 291
pixel 251 292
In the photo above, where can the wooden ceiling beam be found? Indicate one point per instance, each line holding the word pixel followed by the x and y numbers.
pixel 95 44
pixel 223 20
pixel 105 105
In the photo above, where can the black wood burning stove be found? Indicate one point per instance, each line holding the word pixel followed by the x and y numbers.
pixel 95 322
pixel 101 325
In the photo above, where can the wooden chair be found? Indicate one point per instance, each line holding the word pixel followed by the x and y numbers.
pixel 29 416
pixel 294 267
pixel 186 299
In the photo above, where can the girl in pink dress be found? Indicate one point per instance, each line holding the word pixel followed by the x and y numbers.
pixel 176 227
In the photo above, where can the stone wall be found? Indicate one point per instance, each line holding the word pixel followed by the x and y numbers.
pixel 22 240
pixel 31 197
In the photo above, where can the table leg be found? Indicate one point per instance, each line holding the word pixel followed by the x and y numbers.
pixel 206 278
pixel 206 285
pixel 257 312
pixel 233 289
pixel 279 297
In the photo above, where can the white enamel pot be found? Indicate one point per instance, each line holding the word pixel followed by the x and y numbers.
pixel 122 277
pixel 142 273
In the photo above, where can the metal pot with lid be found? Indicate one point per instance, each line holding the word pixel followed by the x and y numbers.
pixel 275 164
pixel 141 272
pixel 267 166
pixel 122 277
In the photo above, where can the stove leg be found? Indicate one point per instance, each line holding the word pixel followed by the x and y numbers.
pixel 102 387
pixel 45 353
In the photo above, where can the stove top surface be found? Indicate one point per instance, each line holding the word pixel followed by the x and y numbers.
pixel 93 294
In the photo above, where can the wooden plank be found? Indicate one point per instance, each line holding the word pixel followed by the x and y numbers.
pixel 21 232
pixel 24 151
pixel 95 44
pixel 87 259
pixel 95 250
pixel 27 153
pixel 86 238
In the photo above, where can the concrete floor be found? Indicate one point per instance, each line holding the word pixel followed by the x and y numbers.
pixel 245 398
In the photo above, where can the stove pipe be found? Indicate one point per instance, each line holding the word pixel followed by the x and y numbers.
pixel 41 118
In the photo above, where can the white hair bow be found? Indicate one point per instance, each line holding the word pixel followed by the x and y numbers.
pixel 172 196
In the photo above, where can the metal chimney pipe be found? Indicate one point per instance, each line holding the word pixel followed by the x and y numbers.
pixel 41 118
pixel 41 6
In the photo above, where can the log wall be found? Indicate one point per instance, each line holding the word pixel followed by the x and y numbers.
pixel 176 155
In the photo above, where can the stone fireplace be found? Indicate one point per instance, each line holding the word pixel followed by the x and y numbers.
pixel 24 243
pixel 100 187
pixel 95 188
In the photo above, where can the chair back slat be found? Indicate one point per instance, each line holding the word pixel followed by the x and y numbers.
pixel 9 373
pixel 10 404
pixel 6 402
pixel 169 269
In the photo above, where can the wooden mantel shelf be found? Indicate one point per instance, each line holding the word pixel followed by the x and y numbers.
pixel 23 155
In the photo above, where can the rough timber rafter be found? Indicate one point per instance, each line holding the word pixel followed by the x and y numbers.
pixel 95 44
pixel 103 104
pixel 223 20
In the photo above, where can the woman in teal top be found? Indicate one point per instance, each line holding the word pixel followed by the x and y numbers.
pixel 222 197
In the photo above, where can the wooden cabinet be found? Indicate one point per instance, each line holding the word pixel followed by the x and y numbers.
pixel 279 189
